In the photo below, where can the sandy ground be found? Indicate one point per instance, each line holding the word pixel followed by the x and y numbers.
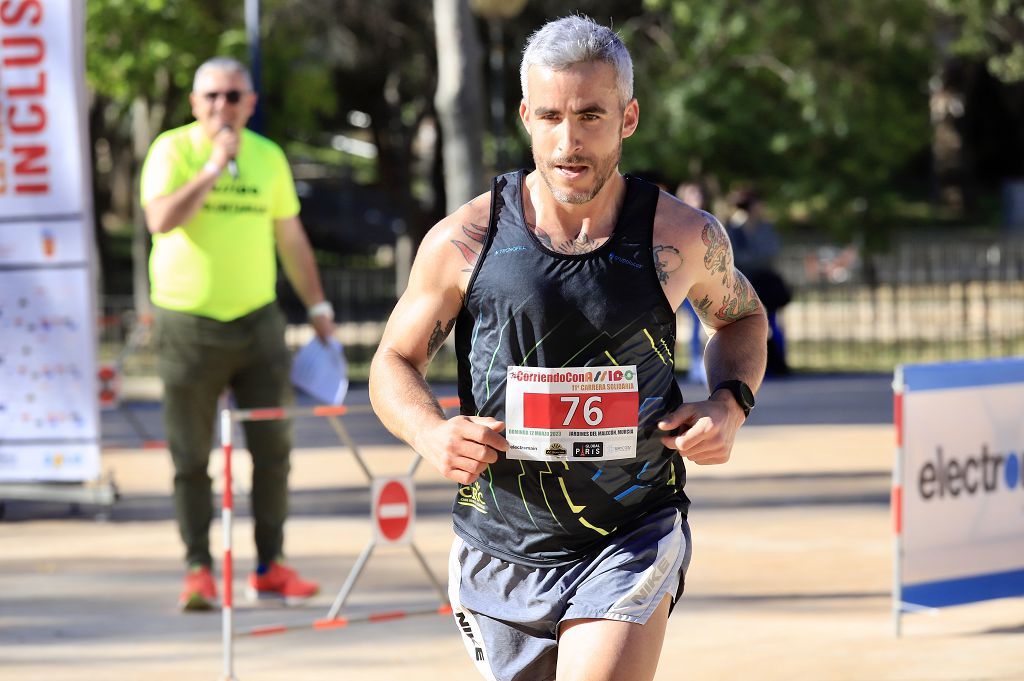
pixel 791 579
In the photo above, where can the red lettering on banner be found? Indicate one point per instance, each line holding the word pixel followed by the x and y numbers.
pixel 37 90
pixel 24 166
pixel 581 410
pixel 23 58
pixel 23 128
pixel 10 44
pixel 26 156
pixel 11 17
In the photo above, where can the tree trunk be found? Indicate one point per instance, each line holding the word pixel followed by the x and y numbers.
pixel 950 167
pixel 458 101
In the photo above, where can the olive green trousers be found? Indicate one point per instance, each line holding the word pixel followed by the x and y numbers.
pixel 198 358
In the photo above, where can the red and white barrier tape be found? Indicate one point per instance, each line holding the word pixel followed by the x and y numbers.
pixel 341 622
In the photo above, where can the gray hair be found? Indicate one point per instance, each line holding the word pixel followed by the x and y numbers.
pixel 222 64
pixel 574 40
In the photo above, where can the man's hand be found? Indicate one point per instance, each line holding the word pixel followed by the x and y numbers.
pixel 463 446
pixel 225 146
pixel 706 430
pixel 324 326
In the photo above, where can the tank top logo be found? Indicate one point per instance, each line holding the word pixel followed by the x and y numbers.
pixel 509 249
pixel 625 261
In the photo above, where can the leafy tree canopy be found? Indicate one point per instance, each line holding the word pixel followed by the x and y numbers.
pixel 818 104
pixel 990 29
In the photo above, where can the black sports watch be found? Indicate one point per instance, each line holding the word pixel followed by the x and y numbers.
pixel 741 392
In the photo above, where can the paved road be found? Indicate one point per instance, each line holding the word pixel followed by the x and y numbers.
pixel 790 580
pixel 813 399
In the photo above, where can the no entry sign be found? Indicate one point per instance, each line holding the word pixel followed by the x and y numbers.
pixel 393 509
pixel 110 386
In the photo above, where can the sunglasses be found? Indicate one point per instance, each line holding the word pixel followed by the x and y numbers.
pixel 231 96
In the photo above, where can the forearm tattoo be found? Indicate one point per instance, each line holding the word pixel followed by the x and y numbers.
pixel 666 261
pixel 470 249
pixel 581 244
pixel 437 336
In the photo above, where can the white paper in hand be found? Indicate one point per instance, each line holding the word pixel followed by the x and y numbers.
pixel 320 370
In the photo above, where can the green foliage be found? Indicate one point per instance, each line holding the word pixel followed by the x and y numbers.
pixel 150 48
pixel 989 29
pixel 822 104
pixel 818 104
pixel 361 170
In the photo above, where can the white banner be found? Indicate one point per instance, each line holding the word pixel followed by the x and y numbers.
pixel 49 415
pixel 962 487
pixel 49 242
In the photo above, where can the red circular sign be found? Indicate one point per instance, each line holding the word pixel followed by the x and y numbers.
pixel 109 384
pixel 393 510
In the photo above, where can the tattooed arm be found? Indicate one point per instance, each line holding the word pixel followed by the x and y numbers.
pixel 694 261
pixel 463 446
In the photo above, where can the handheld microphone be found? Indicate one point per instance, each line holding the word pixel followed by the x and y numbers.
pixel 232 163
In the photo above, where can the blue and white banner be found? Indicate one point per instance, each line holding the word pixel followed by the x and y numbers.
pixel 961 467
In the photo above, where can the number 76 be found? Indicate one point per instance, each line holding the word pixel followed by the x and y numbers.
pixel 592 413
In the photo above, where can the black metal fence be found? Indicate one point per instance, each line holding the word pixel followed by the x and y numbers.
pixel 922 300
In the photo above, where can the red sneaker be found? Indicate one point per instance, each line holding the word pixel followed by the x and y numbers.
pixel 280 582
pixel 200 592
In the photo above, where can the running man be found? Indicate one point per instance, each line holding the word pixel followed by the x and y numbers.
pixel 562 285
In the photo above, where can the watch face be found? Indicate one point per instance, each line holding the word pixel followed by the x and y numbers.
pixel 741 392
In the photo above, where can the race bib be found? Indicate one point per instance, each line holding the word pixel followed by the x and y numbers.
pixel 571 414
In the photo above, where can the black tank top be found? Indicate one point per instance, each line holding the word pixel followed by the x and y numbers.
pixel 528 306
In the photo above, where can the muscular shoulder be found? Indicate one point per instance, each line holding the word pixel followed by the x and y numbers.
pixel 690 245
pixel 453 245
pixel 680 224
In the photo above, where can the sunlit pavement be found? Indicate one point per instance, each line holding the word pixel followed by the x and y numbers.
pixel 791 575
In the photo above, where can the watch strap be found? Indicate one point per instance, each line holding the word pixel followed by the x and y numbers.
pixel 741 392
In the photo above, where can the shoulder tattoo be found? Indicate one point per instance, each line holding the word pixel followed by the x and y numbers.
pixel 718 257
pixel 667 260
pixel 437 336
pixel 470 248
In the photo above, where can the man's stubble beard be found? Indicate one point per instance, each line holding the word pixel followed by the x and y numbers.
pixel 602 171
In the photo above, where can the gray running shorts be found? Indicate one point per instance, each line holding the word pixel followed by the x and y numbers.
pixel 509 614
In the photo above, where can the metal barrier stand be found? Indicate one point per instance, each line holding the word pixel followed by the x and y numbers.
pixel 332 620
pixel 357 569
